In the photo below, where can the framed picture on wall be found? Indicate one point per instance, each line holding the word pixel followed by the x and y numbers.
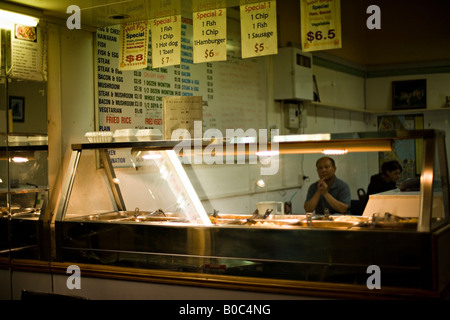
pixel 17 107
pixel 410 94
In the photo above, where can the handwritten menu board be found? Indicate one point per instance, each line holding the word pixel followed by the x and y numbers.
pixel 181 113
pixel 233 92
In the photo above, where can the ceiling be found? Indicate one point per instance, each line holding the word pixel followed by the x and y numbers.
pixel 411 30
pixel 102 13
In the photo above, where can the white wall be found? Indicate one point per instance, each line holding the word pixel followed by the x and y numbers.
pixel 436 115
pixel 347 93
pixel 379 90
pixel 232 189
pixel 339 88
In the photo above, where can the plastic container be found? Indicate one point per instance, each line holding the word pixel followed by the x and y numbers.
pixel 99 136
pixel 149 134
pixel 125 135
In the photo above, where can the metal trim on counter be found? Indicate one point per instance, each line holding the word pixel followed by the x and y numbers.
pixel 216 281
pixel 31 265
pixel 4 262
pixel 168 144
pixel 16 148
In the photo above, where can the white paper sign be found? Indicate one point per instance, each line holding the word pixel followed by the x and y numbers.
pixel 27 53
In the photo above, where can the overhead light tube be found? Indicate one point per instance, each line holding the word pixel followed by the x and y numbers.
pixel 334 151
pixel 8 19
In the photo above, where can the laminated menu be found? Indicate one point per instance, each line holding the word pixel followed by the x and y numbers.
pixel 180 112
pixel 28 53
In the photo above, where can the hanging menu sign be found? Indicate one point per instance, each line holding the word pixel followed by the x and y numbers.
pixel 166 41
pixel 231 91
pixel 259 29
pixel 27 53
pixel 133 45
pixel 320 25
pixel 210 29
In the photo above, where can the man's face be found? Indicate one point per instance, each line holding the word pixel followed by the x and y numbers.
pixel 325 169
pixel 394 175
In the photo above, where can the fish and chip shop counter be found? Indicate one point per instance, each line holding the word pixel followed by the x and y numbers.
pixel 143 213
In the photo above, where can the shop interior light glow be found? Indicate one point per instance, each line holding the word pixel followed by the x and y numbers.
pixel 338 146
pixel 8 19
pixel 268 153
pixel 334 151
pixel 151 156
pixel 19 159
pixel 302 137
pixel 260 183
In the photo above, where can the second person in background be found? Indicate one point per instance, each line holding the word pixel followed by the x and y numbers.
pixel 386 180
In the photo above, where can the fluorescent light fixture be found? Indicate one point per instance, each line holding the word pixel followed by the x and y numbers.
pixel 302 137
pixel 8 19
pixel 334 151
pixel 268 153
pixel 19 159
pixel 361 145
pixel 239 140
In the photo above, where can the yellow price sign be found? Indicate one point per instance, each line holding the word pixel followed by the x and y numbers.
pixel 166 41
pixel 259 29
pixel 210 29
pixel 320 25
pixel 133 45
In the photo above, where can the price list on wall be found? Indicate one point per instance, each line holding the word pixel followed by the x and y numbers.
pixel 259 29
pixel 232 91
pixel 133 98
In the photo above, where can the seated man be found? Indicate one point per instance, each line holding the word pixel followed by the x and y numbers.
pixel 329 191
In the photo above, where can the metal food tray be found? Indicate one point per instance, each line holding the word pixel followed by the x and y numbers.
pixel 130 216
pixel 284 221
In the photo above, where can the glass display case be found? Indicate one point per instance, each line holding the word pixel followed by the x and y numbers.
pixel 154 205
pixel 24 185
pixel 23 194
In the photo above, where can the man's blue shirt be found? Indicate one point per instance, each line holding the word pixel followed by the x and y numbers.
pixel 338 189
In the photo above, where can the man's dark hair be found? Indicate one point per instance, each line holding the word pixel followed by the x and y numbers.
pixel 331 159
pixel 391 166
